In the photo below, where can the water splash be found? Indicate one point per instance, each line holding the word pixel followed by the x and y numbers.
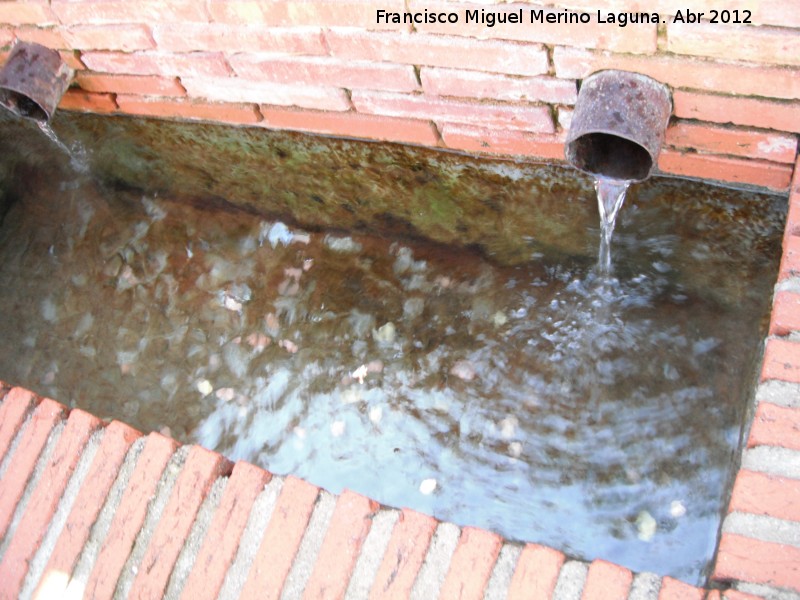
pixel 610 197
pixel 77 154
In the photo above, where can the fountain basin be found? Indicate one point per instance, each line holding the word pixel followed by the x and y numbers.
pixel 227 326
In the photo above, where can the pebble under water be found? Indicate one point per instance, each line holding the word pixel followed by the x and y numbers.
pixel 600 416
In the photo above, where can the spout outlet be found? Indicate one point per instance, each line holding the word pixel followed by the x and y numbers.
pixel 619 124
pixel 33 80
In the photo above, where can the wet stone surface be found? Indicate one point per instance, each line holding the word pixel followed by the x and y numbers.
pixel 601 417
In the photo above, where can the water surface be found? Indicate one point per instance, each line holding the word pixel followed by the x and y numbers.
pixel 597 415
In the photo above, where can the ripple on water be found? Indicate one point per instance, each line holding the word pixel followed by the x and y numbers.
pixel 595 414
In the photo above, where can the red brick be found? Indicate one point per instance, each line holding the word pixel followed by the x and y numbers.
pixel 489 86
pixel 50 37
pixel 298 13
pixel 281 541
pixel 241 90
pixel 747 143
pixel 122 38
pixel 775 425
pixel 504 142
pixel 35 435
pixel 496 56
pixel 6 37
pixel 745 559
pixel 536 573
pixel 71 12
pixel 672 589
pixel 755 44
pixel 564 118
pixel 44 500
pixel 151 85
pixel 790 261
pixel 220 37
pixel 472 564
pixel 349 526
pixel 188 109
pixel 195 64
pixel 781 361
pixel 763 494
pixel 117 439
pixel 795 191
pixel 770 13
pixel 731 78
pixel 640 38
pixel 785 313
pixel 325 71
pixel 198 474
pixel 26 13
pixel 129 516
pixel 72 59
pixel 527 118
pixel 770 175
pixel 607 581
pixel 403 557
pixel 782 14
pixel 16 405
pixel 352 124
pixel 793 215
pixel 79 100
pixel 222 538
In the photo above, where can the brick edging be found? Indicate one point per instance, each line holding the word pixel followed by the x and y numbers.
pixel 756 553
pixel 468 562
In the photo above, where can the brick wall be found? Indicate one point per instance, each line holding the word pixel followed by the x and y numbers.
pixel 330 66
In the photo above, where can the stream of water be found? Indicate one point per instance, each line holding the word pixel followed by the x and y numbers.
pixel 77 154
pixel 610 197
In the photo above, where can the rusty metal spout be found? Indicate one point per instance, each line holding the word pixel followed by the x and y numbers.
pixel 33 80
pixel 618 126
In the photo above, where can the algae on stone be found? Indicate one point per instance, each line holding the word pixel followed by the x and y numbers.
pixel 512 212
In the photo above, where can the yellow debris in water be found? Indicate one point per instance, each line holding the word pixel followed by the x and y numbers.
pixel 646 525
pixel 384 334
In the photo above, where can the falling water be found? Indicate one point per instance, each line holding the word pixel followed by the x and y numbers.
pixel 610 196
pixel 77 154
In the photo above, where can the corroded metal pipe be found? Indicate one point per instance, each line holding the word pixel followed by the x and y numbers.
pixel 619 124
pixel 33 80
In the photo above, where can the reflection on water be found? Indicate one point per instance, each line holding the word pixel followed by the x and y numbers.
pixel 599 416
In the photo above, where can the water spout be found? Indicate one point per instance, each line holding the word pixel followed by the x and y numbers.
pixel 618 126
pixel 616 135
pixel 33 80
